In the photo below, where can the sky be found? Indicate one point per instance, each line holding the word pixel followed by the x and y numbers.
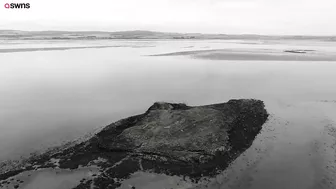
pixel 271 17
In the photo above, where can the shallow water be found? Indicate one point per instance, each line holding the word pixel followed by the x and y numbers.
pixel 154 181
pixel 50 96
pixel 296 149
pixel 51 178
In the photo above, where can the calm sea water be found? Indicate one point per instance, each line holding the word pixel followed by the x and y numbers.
pixel 51 96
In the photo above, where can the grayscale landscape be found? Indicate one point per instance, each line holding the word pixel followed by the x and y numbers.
pixel 168 94
pixel 61 92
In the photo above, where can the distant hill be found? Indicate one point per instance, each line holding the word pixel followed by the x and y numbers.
pixel 140 34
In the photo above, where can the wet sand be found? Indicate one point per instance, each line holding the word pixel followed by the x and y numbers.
pixel 48 49
pixel 256 54
pixel 60 48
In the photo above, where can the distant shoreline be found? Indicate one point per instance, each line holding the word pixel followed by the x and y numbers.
pixel 140 34
pixel 252 55
pixel 60 48
pixel 214 54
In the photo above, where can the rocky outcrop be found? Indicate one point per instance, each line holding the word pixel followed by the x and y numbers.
pixel 174 139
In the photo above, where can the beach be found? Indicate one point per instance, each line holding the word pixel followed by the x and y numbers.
pixel 53 92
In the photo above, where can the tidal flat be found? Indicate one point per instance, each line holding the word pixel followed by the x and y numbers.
pixel 48 97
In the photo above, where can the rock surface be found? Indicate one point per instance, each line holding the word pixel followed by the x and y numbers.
pixel 171 139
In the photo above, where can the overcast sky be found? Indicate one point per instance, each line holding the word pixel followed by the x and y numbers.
pixel 299 17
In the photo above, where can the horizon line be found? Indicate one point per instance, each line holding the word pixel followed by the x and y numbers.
pixel 171 32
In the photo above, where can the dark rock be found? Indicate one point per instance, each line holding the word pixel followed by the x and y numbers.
pixel 173 139
pixel 297 51
pixel 168 106
pixel 11 173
